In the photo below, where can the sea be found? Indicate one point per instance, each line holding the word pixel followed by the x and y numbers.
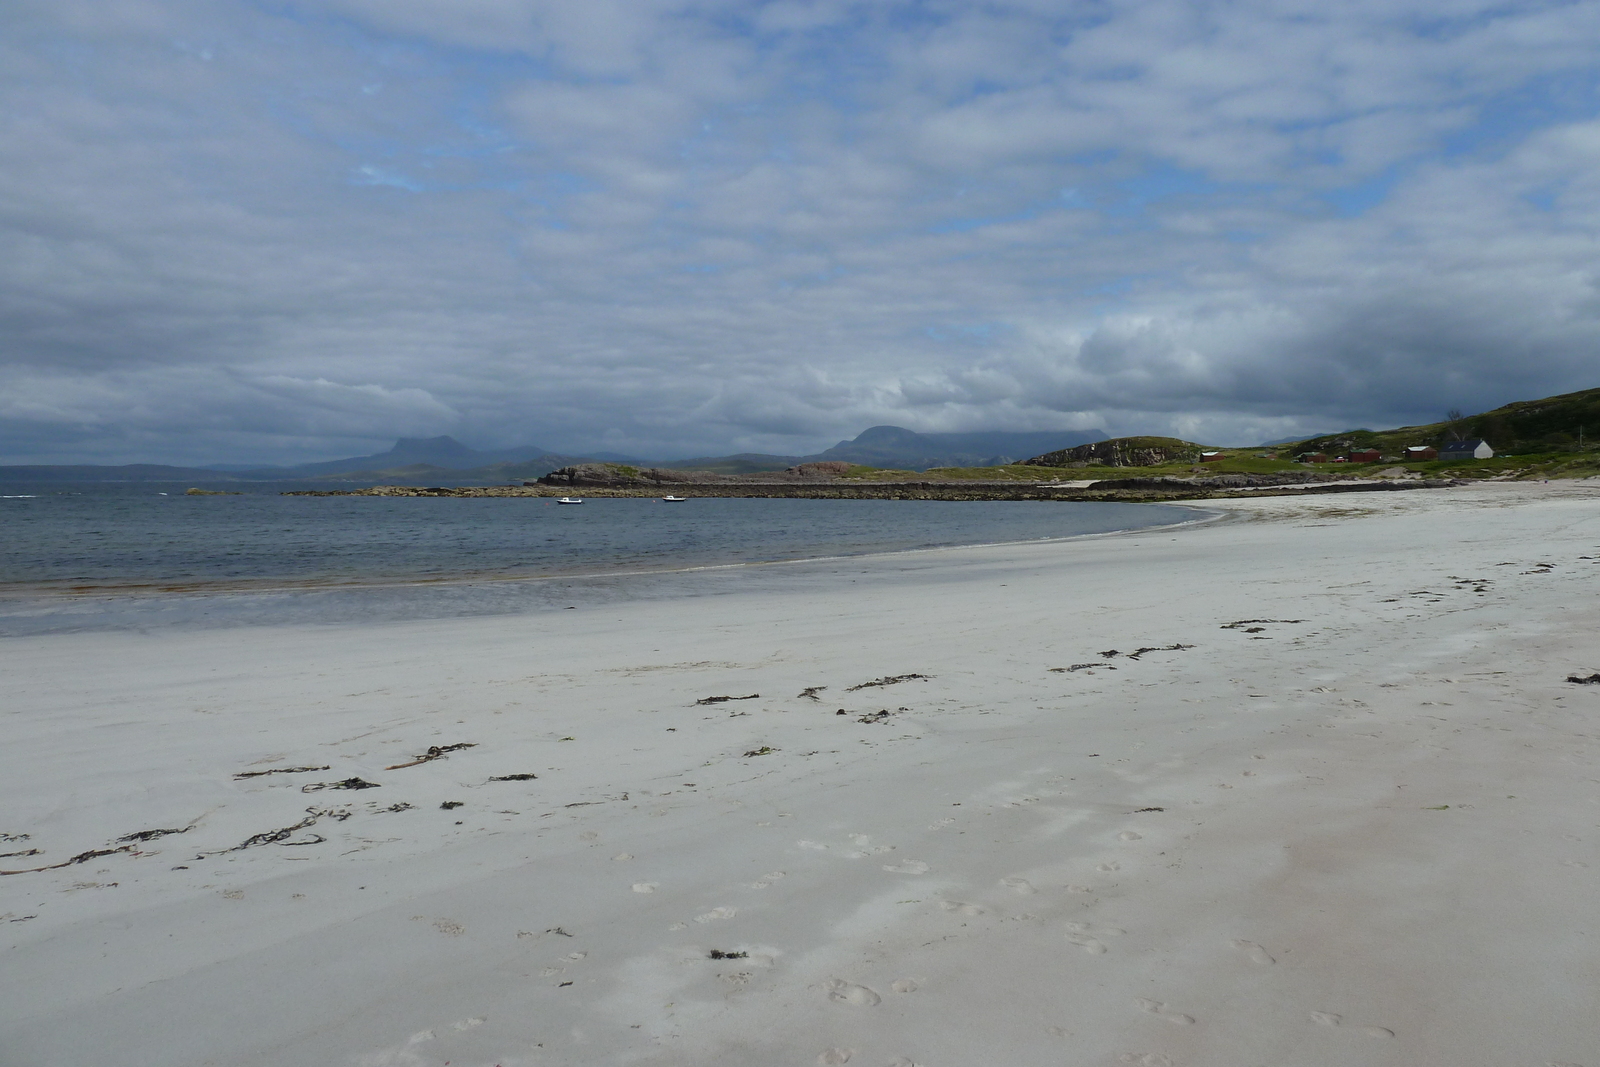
pixel 91 556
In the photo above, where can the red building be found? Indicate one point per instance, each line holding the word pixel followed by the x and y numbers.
pixel 1368 455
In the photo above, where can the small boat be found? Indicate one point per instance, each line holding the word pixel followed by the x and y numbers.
pixel 570 500
pixel 673 499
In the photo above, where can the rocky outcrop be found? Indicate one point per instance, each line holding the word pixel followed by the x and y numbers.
pixel 1120 452
pixel 825 469
pixel 616 475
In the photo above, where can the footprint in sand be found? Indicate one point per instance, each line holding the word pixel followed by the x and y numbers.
pixel 1107 868
pixel 849 993
pixel 646 887
pixel 963 908
pixel 1020 885
pixel 1256 953
pixel 908 867
pixel 901 1061
pixel 468 1024
pixel 716 913
pixel 834 1055
pixel 903 985
pixel 1155 1007
pixel 1145 1059
pixel 1092 945
pixel 1328 1018
pixel 1129 835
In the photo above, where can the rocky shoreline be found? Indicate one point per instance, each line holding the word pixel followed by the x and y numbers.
pixel 1126 490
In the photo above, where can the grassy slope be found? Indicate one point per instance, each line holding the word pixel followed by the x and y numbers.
pixel 1544 427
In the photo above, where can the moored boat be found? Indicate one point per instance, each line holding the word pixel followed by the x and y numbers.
pixel 570 500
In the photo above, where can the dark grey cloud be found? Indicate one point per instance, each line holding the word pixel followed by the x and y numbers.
pixel 238 231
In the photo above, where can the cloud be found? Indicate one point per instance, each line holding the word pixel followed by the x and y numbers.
pixel 252 233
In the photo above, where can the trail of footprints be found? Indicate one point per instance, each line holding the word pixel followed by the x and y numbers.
pixel 1087 936
pixel 1329 1019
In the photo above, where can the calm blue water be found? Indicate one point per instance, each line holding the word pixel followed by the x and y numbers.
pixel 122 541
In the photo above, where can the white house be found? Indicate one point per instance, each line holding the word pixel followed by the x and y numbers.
pixel 1477 448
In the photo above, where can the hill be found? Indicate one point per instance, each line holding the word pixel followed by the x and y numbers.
pixel 1121 452
pixel 1556 424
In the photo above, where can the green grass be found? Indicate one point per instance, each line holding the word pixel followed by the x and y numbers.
pixel 1247 461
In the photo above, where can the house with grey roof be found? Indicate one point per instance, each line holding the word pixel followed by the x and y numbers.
pixel 1476 448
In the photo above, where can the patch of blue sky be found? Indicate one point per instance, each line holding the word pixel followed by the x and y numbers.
pixel 968 332
pixel 1355 200
pixel 967 225
pixel 1507 119
pixel 1443 27
pixel 1116 287
pixel 393 43
pixel 1543 198
pixel 1161 182
pixel 367 174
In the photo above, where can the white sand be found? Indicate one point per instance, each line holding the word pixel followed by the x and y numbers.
pixel 1376 843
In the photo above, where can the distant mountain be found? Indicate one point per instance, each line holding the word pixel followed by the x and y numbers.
pixel 898 448
pixel 445 452
pixel 437 460
pixel 412 460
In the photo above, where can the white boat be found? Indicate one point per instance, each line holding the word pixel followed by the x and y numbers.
pixel 570 500
pixel 673 499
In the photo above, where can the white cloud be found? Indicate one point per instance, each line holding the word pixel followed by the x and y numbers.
pixel 692 226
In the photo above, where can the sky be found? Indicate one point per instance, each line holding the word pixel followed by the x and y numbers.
pixel 285 230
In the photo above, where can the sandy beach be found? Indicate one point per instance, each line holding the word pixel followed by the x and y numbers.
pixel 1302 786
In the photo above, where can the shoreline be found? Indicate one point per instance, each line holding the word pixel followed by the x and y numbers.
pixel 1304 784
pixel 1131 490
pixel 13 592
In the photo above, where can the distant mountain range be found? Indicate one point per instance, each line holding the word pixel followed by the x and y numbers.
pixel 427 460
